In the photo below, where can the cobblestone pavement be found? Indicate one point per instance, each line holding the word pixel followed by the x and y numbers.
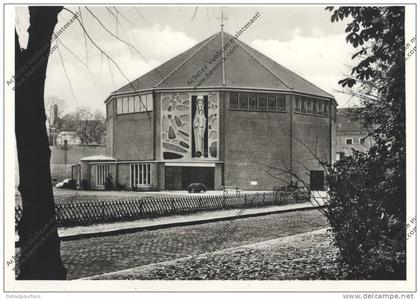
pixel 305 256
pixel 93 256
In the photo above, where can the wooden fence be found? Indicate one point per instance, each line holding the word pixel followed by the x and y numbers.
pixel 100 211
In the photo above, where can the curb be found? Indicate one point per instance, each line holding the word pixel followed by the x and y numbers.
pixel 176 224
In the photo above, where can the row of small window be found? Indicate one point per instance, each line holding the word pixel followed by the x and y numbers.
pixel 140 174
pixel 258 101
pixel 351 141
pixel 311 106
pixel 137 103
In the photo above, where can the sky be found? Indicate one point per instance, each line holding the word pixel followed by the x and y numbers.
pixel 301 38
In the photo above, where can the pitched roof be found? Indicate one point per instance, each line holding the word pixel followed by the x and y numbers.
pixel 348 120
pixel 244 67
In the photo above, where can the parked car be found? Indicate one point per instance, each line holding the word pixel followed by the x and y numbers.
pixel 196 188
pixel 66 184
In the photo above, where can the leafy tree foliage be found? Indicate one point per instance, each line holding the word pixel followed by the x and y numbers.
pixel 368 191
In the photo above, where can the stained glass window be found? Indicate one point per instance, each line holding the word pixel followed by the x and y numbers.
pixel 271 102
pixel 131 104
pixel 253 101
pixel 281 102
pixel 119 105
pixel 149 102
pixel 109 109
pixel 243 100
pixel 125 105
pixel 325 108
pixel 137 104
pixel 320 107
pixel 303 104
pixel 233 100
pixel 262 101
pixel 308 105
pixel 297 103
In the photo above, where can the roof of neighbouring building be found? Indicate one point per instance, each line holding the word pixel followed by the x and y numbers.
pixel 348 120
pixel 244 68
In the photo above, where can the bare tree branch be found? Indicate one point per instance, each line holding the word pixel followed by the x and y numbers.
pixel 314 155
pixel 126 32
pixel 195 12
pixel 107 30
pixel 110 72
pixel 65 72
pixel 111 12
pixel 140 15
pixel 287 170
pixel 124 17
pixel 84 35
pixel 276 177
pixel 118 23
pixel 109 59
pixel 102 62
pixel 307 187
pixel 360 95
pixel 78 59
pixel 116 20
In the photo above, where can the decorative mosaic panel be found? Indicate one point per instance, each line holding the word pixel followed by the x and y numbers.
pixel 190 126
pixel 213 125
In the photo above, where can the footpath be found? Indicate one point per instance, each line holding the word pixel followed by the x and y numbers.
pixel 304 256
pixel 81 232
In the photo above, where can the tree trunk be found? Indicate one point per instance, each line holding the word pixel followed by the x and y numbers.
pixel 40 257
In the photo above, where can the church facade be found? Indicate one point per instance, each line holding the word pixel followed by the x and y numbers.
pixel 220 113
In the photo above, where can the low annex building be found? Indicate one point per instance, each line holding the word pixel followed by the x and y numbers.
pixel 220 113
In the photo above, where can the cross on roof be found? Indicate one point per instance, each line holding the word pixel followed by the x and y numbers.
pixel 222 18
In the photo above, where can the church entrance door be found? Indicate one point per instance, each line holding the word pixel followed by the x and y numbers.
pixel 198 174
pixel 178 178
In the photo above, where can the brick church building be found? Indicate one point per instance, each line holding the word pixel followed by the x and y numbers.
pixel 220 113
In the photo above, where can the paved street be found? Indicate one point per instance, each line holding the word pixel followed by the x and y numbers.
pixel 305 256
pixel 100 255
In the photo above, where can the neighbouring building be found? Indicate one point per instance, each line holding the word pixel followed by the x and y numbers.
pixel 63 157
pixel 67 137
pixel 74 131
pixel 67 146
pixel 351 134
pixel 220 113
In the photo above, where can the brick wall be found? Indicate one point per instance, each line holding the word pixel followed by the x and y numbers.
pixel 253 140
pixel 257 146
pixel 133 136
pixel 160 176
pixel 124 175
pixel 109 137
pixel 62 160
pixel 311 142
